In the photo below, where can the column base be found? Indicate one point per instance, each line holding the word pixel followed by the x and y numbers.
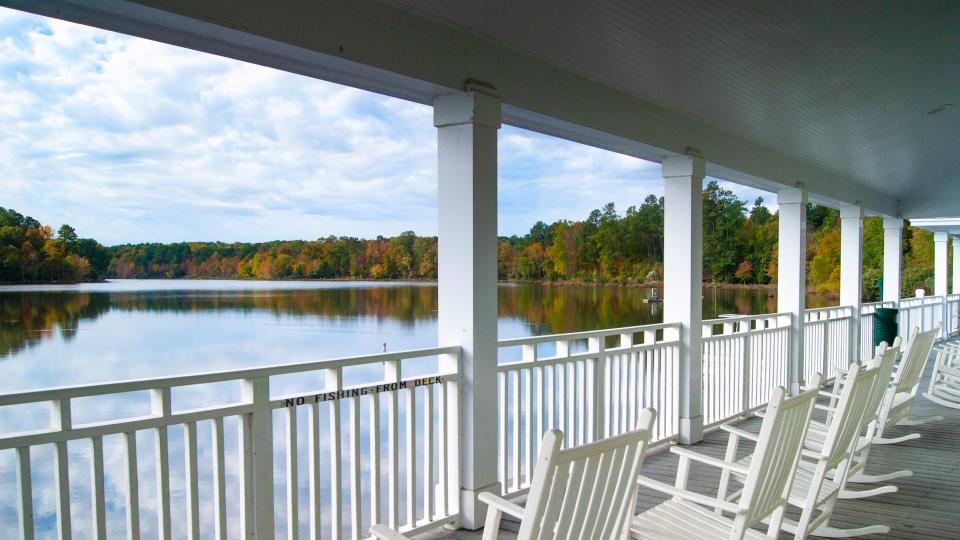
pixel 472 511
pixel 691 430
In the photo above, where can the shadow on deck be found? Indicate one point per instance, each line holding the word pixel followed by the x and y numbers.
pixel 927 504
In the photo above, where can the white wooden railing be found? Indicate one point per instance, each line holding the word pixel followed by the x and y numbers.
pixel 744 358
pixel 924 313
pixel 590 385
pixel 953 313
pixel 827 341
pixel 386 450
pixel 866 325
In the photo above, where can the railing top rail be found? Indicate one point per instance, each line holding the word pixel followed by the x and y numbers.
pixel 727 318
pixel 828 308
pixel 916 301
pixel 878 304
pixel 134 385
pixel 548 338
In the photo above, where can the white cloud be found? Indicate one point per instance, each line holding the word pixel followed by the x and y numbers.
pixel 131 140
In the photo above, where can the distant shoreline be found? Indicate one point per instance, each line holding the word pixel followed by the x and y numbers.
pixel 558 283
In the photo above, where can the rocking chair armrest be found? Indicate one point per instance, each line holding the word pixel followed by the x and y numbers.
pixel 707 460
pixel 385 533
pixel 742 433
pixel 502 504
pixel 686 494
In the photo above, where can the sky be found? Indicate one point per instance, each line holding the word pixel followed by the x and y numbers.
pixel 130 141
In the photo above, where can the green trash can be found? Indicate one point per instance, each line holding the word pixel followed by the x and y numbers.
pixel 884 326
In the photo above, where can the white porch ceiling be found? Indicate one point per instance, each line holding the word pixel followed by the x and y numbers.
pixel 846 85
pixel 831 94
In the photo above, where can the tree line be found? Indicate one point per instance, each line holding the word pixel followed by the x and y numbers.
pixel 739 246
pixel 31 253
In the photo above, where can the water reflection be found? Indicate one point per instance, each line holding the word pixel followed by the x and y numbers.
pixel 30 316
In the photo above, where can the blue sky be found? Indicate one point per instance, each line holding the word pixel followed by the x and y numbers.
pixel 129 140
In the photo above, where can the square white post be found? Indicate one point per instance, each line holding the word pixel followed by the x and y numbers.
pixel 940 271
pixel 956 265
pixel 792 274
pixel 892 252
pixel 851 270
pixel 467 124
pixel 683 281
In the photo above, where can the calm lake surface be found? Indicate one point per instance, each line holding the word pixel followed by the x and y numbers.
pixel 60 335
pixel 124 329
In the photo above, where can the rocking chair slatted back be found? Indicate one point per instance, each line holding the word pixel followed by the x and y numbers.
pixel 914 359
pixel 586 492
pixel 885 360
pixel 847 422
pixel 775 459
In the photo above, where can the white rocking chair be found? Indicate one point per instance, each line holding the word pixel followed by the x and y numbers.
pixel 944 386
pixel 898 401
pixel 884 362
pixel 587 493
pixel 767 483
pixel 813 490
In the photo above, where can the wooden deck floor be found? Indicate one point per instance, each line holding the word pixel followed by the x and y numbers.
pixel 927 504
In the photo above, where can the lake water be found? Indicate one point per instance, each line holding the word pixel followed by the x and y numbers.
pixel 123 329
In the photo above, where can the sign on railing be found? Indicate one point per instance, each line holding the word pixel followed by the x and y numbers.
pixel 385 450
pixel 590 385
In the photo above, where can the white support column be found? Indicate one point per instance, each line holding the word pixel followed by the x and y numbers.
pixel 851 270
pixel 940 263
pixel 683 280
pixel 940 271
pixel 956 265
pixel 467 125
pixel 892 253
pixel 792 274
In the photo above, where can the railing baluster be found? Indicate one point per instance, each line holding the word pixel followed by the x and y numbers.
pixel 529 357
pixel 452 394
pixel 25 500
pixel 333 382
pixel 219 481
pixel 98 511
pixel 190 476
pixel 133 487
pixel 160 406
pixel 428 502
pixel 353 407
pixel 375 458
pixel 442 491
pixel 61 419
pixel 515 428
pixel 293 519
pixel 411 431
pixel 391 374
pixel 502 388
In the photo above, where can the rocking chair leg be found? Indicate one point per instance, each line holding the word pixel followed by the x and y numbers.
pixel 848 494
pixel 909 422
pixel 491 527
pixel 896 440
pixel 832 532
pixel 874 478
